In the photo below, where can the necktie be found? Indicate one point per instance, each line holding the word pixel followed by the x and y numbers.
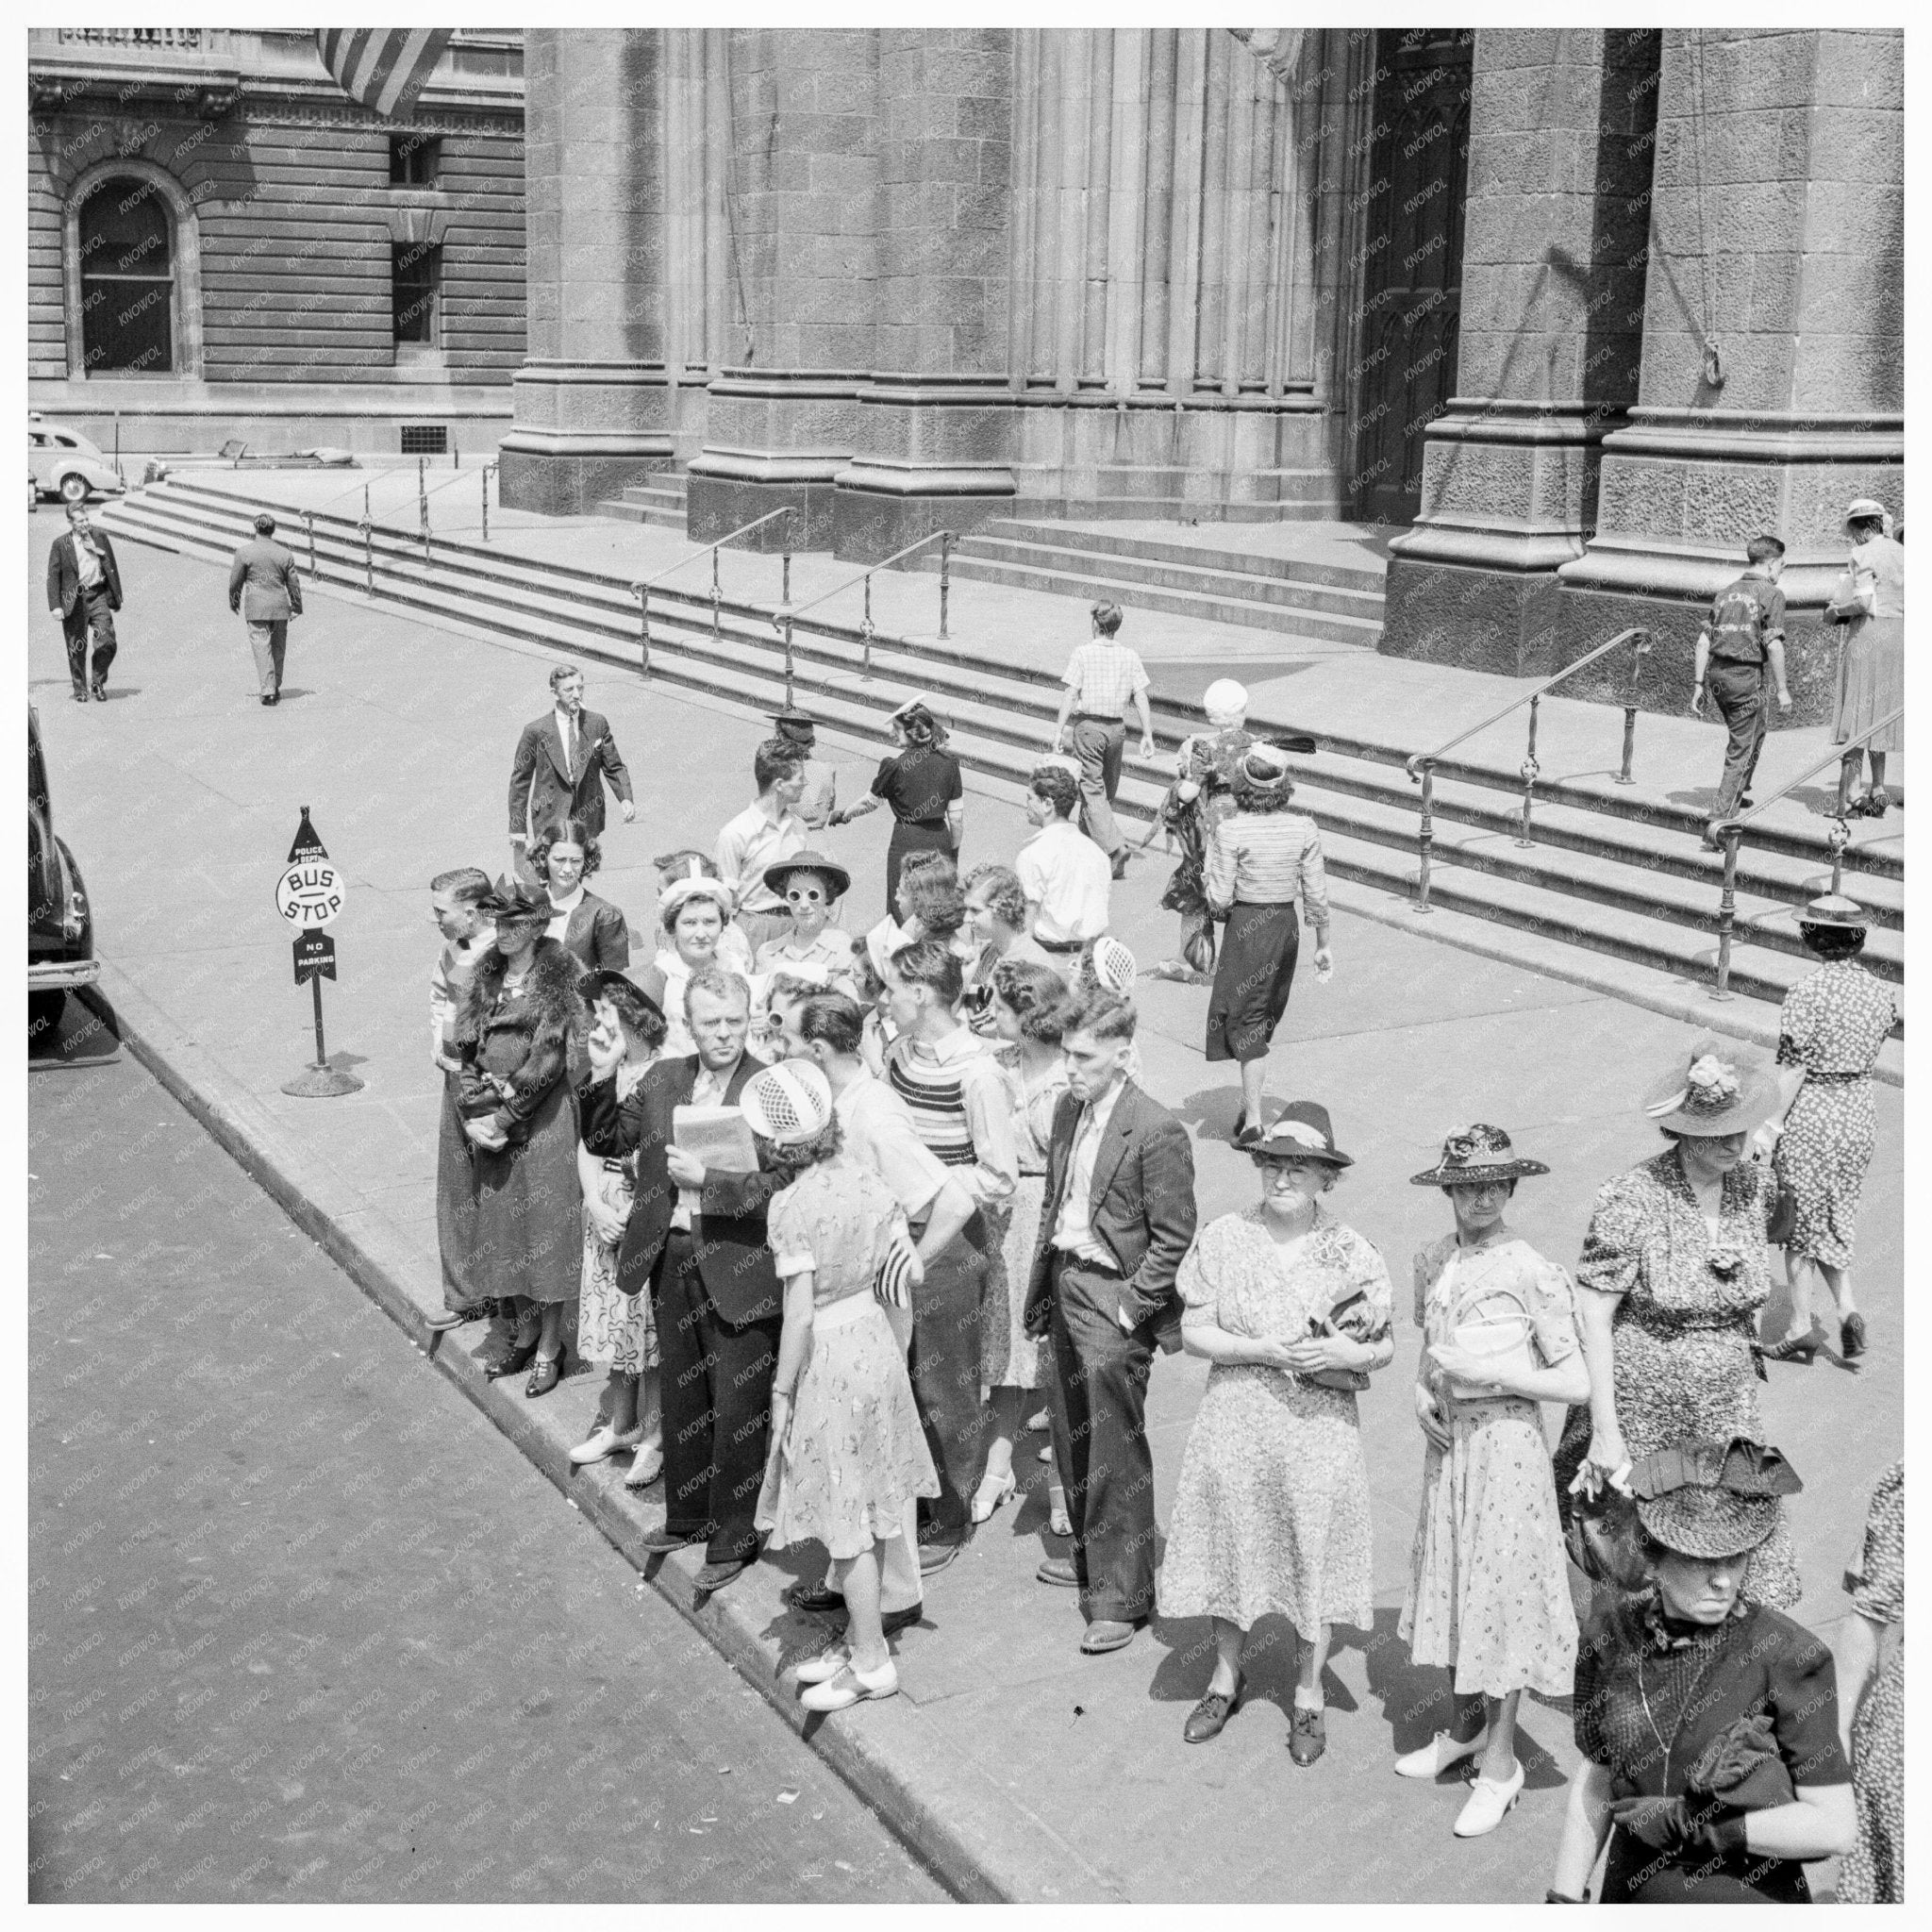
pixel 570 749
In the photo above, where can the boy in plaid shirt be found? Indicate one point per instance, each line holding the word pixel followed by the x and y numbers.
pixel 1744 632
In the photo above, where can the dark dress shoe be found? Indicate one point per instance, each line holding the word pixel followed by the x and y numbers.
pixel 514 1364
pixel 1212 1713
pixel 1104 1634
pixel 716 1575
pixel 662 1542
pixel 1059 1570
pixel 545 1375
pixel 1793 1348
pixel 814 1599
pixel 1307 1735
pixel 81 693
pixel 1851 1336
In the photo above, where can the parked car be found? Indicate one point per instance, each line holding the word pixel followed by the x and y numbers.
pixel 60 925
pixel 64 463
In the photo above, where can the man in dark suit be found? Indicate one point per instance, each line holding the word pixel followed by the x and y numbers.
pixel 84 591
pixel 1119 1215
pixel 563 761
pixel 265 592
pixel 695 1244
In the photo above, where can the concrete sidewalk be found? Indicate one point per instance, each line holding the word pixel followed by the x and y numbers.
pixel 1018 1768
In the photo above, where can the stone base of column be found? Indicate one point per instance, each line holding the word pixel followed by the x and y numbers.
pixel 1507 622
pixel 583 432
pixel 714 507
pixel 773 439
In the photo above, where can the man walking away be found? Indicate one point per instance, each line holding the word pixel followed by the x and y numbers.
pixel 1066 877
pixel 1744 631
pixel 1118 1216
pixel 263 587
pixel 1101 677
pixel 84 589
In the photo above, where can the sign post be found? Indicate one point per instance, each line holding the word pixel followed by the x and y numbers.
pixel 308 896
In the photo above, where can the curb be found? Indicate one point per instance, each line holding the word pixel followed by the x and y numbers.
pixel 979 1841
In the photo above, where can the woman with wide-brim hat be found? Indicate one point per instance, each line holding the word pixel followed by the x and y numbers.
pixel 1674 1272
pixel 1271 1516
pixel 1489 1592
pixel 921 782
pixel 815 949
pixel 1832 1023
pixel 1869 601
pixel 1706 1719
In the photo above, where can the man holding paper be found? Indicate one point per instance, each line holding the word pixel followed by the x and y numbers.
pixel 695 1243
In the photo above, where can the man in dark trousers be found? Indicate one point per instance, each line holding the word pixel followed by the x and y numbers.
pixel 695 1244
pixel 1118 1216
pixel 1743 639
pixel 84 591
pixel 264 588
pixel 563 761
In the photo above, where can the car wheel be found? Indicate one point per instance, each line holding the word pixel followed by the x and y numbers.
pixel 74 487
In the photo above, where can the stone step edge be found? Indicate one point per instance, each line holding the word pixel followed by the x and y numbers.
pixel 1246 562
pixel 980 1843
pixel 1040 551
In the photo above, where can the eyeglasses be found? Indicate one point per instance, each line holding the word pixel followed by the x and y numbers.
pixel 803 895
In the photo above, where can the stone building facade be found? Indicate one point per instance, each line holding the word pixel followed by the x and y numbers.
pixel 221 242
pixel 1583 309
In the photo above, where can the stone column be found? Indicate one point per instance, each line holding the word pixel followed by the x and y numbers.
pixel 1772 375
pixel 592 406
pixel 933 442
pixel 1552 295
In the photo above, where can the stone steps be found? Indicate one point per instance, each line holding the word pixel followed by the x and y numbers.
pixel 1609 881
pixel 658 503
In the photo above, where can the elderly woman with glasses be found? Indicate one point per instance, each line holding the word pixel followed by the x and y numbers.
pixel 1272 1512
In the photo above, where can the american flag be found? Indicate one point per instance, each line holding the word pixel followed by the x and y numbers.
pixel 383 69
pixel 893 1284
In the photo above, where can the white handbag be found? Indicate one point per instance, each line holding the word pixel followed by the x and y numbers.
pixel 1503 1339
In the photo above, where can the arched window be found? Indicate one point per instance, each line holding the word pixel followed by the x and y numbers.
pixel 126 280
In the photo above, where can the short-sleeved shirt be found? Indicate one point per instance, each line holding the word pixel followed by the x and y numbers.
pixel 1103 677
pixel 881 1134
pixel 919 785
pixel 1746 618
pixel 1067 875
pixel 838 1221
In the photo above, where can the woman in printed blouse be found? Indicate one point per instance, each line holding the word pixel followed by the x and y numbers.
pixel 1871 1700
pixel 1674 1272
pixel 1708 1721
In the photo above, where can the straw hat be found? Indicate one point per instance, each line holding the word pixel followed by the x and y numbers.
pixel 837 880
pixel 1862 506
pixel 697 887
pixel 1113 965
pixel 1713 1091
pixel 789 1104
pixel 1835 909
pixel 1301 1131
pixel 1478 1153
pixel 1711 1498
pixel 1264 768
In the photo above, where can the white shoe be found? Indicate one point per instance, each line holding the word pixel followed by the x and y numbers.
pixel 646 1466
pixel 1437 1756
pixel 1488 1803
pixel 853 1686
pixel 1038 1423
pixel 826 1666
pixel 605 1441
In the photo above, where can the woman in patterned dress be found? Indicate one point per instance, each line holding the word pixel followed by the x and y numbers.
pixel 1832 1023
pixel 626 1033
pixel 1272 1513
pixel 1871 1701
pixel 1674 1270
pixel 1489 1597
pixel 1869 600
pixel 848 1455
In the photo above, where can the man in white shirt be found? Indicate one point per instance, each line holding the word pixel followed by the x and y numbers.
pixel 820 798
pixel 1064 875
pixel 1101 679
pixel 761 835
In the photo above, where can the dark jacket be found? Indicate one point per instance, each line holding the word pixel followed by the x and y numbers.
pixel 528 1044
pixel 262 584
pixel 609 1127
pixel 541 791
pixel 597 935
pixel 1143 1209
pixel 63 572
pixel 728 1229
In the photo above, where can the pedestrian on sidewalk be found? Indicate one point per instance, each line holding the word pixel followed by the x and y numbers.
pixel 627 1030
pixel 765 832
pixel 693 919
pixel 819 800
pixel 563 761
pixel 1833 1024
pixel 696 1243
pixel 591 929
pixel 1101 679
pixel 878 1132
pixel 1871 1700
pixel 921 782
pixel 1200 797
pixel 847 1454
pixel 734 951
pixel 1869 601
pixel 1489 1587
pixel 1065 876
pixel 946 1075
pixel 1272 1513
pixel 84 591
pixel 1262 859
pixel 1116 1219
pixel 1743 634
pixel 264 589
pixel 812 887
pixel 512 1032
pixel 468 938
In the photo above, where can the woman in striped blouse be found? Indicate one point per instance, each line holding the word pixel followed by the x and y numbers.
pixel 1260 859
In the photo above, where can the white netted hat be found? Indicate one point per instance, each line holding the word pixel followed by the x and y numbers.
pixel 1113 965
pixel 1224 698
pixel 788 1103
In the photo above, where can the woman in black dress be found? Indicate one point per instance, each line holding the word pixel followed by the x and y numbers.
pixel 922 785
pixel 1708 1723
pixel 590 928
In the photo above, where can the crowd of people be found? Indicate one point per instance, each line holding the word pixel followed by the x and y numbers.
pixel 841 1215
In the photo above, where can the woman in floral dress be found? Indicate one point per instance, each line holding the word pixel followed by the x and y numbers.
pixel 1871 1701
pixel 1272 1513
pixel 1489 1597
pixel 1674 1272
pixel 1832 1023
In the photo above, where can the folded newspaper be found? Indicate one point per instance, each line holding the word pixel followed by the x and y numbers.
pixel 717 1136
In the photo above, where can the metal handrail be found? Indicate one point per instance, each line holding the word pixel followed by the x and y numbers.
pixel 1422 766
pixel 945 537
pixel 783 616
pixel 1731 833
pixel 640 589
